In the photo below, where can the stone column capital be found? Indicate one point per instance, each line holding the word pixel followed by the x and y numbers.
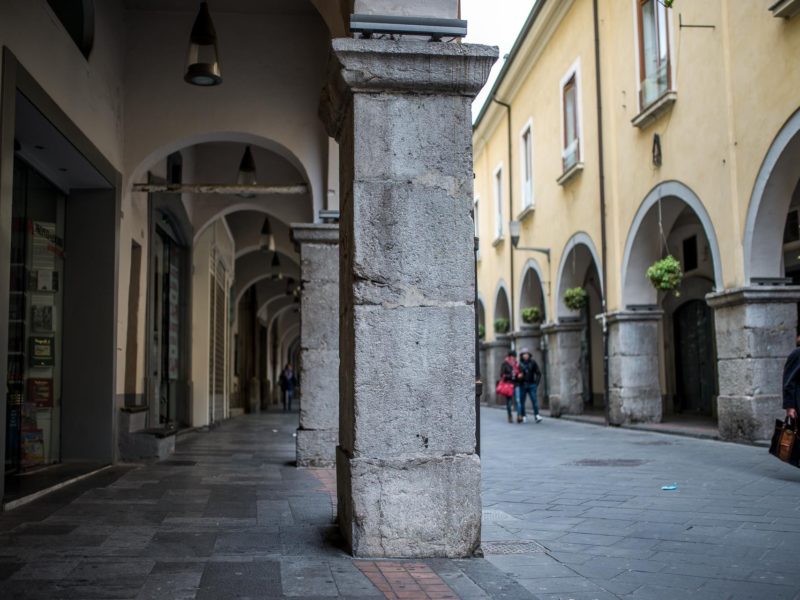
pixel 314 233
pixel 400 67
pixel 774 294
pixel 562 326
pixel 496 344
pixel 633 316
pixel 526 331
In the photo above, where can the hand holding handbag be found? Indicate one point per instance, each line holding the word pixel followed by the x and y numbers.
pixel 504 388
pixel 784 444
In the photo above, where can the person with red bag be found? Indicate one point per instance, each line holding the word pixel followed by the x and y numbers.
pixel 509 374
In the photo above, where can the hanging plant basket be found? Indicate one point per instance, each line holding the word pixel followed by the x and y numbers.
pixel 532 315
pixel 501 325
pixel 666 274
pixel 481 332
pixel 576 298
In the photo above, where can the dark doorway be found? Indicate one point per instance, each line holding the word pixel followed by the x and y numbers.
pixel 694 356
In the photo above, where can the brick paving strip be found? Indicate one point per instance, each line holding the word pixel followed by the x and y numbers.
pixel 327 477
pixel 406 580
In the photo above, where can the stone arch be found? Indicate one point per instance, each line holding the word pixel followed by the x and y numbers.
pixel 644 244
pixel 775 183
pixel 579 255
pixel 502 305
pixel 531 290
pixel 250 271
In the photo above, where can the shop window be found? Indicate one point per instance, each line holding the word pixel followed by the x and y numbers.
pixel 571 152
pixel 690 254
pixel 77 17
pixel 654 63
pixel 35 322
pixel 526 156
pixel 498 202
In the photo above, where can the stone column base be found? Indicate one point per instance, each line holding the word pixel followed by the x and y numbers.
pixel 634 394
pixel 422 507
pixel 563 357
pixel 317 448
pixel 755 332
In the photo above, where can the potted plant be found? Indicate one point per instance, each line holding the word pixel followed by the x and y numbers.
pixel 666 274
pixel 501 325
pixel 481 332
pixel 532 315
pixel 576 298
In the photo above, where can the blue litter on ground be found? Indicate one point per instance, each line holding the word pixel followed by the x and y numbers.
pixel 670 488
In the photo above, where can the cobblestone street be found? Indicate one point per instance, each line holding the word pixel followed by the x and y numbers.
pixel 570 511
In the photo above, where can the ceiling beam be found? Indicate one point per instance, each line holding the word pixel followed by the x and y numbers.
pixel 216 188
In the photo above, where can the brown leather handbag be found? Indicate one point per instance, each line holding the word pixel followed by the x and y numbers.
pixel 784 442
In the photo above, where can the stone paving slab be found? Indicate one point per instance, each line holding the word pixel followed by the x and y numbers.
pixel 231 517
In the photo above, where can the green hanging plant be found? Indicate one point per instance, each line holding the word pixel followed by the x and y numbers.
pixel 531 315
pixel 481 332
pixel 576 298
pixel 666 274
pixel 501 325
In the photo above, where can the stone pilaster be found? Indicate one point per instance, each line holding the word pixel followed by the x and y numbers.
pixel 634 388
pixel 496 352
pixel 408 476
pixel 755 332
pixel 318 433
pixel 563 360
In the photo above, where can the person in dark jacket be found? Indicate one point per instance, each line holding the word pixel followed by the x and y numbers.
pixel 288 383
pixel 791 382
pixel 528 384
pixel 509 371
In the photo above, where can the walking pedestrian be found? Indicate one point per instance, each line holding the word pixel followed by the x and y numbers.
pixel 288 383
pixel 529 378
pixel 509 376
pixel 791 382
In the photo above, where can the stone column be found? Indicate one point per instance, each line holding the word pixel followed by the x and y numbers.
pixel 755 332
pixel 496 353
pixel 408 477
pixel 563 368
pixel 318 433
pixel 634 394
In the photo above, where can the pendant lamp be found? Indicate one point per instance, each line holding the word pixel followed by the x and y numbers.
pixel 276 264
pixel 247 171
pixel 266 241
pixel 202 62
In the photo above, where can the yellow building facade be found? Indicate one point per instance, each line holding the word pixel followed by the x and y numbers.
pixel 619 134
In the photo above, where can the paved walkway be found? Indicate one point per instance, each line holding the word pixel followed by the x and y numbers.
pixel 571 511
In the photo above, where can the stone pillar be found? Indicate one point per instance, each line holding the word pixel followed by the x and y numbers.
pixel 496 353
pixel 563 368
pixel 755 332
pixel 634 394
pixel 408 477
pixel 318 433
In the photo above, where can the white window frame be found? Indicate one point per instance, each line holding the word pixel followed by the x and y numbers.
pixel 497 193
pixel 673 86
pixel 574 70
pixel 526 165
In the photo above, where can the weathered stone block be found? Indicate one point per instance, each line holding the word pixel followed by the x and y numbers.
pixel 401 255
pixel 424 507
pixel 748 418
pixel 319 399
pixel 317 448
pixel 634 371
pixel 411 394
pixel 634 405
pixel 750 376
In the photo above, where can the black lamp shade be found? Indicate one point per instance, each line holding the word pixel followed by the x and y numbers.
pixel 276 261
pixel 202 62
pixel 247 169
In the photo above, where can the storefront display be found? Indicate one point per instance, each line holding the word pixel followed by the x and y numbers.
pixel 34 363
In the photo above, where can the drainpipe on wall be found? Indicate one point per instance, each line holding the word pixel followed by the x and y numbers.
pixel 510 215
pixel 603 235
